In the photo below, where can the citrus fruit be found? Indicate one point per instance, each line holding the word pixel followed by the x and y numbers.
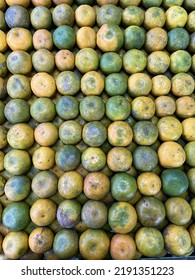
pixel 94 244
pixel 43 212
pixel 134 61
pixel 149 241
pixel 118 108
pixel 19 38
pixel 110 37
pixel 154 17
pixel 70 184
pixel 132 15
pixel 93 159
pixel 145 133
pixel 122 247
pixel 161 85
pixel 15 244
pixel 41 17
pixel 148 183
pixel 68 213
pixel 68 83
pixel 178 39
pixel 44 184
pixel 70 132
pixel 110 62
pixel 65 244
pixel 96 185
pixel 18 86
pixel 178 210
pixel 42 109
pixel 123 186
pixel 115 84
pixel 150 211
pixel 46 134
pixel 177 240
pixel 174 182
pixel 64 60
pixel 173 157
pixel 94 214
pixel 17 187
pixel 43 61
pixel 86 60
pixel 108 13
pixel 41 240
pixel 139 84
pixel 68 157
pixel 20 136
pixel 85 15
pixel 63 14
pixel 94 133
pixel 120 133
pixel 17 16
pixel 122 217
pixel 189 150
pixel 92 83
pixel 176 16
pixel 17 162
pixel 92 108
pixel 165 106
pixel 145 158
pixel 119 159
pixel 43 158
pixel 86 37
pixel 67 107
pixel 16 215
pixel 19 62
pixel 17 111
pixel 43 39
pixel 143 108
pixel 64 37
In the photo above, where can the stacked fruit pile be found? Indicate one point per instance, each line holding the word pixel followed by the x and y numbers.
pixel 97 129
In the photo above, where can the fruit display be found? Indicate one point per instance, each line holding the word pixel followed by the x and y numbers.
pixel 97 129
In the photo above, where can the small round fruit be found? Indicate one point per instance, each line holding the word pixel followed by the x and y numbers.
pixel 96 185
pixel 68 158
pixel 122 247
pixel 178 210
pixel 171 154
pixel 17 162
pixel 68 213
pixel 148 183
pixel 94 214
pixel 109 37
pixel 145 158
pixel 43 212
pixel 96 239
pixel 177 240
pixel 41 240
pixel 70 184
pixel 122 217
pixel 119 159
pixel 149 241
pixel 65 243
pixel 17 188
pixel 174 182
pixel 15 244
pixel 123 186
pixel 93 159
pixel 150 211
pixel 16 215
pixel 43 158
pixel 44 184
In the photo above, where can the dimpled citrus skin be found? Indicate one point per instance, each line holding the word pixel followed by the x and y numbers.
pixel 97 129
